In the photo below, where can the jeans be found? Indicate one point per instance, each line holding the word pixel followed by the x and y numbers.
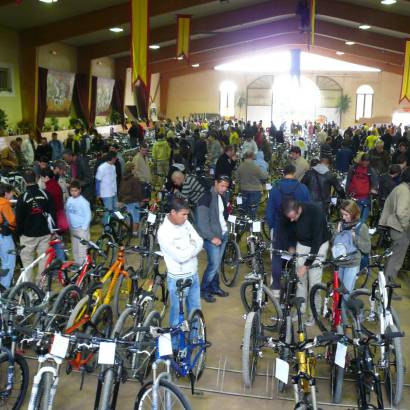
pixel 401 241
pixel 59 250
pixel 134 209
pixel 251 201
pixel 348 277
pixel 8 261
pixel 364 205
pixel 210 280
pixel 110 203
pixel 191 295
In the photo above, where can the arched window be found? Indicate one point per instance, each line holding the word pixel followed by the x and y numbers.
pixel 227 99
pixel 364 102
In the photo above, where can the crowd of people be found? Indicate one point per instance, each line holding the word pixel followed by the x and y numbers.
pixel 62 189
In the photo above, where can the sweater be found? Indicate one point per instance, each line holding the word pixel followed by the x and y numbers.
pixel 250 176
pixel 78 213
pixel 131 190
pixel 141 169
pixel 180 245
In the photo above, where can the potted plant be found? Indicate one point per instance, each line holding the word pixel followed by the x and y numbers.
pixel 343 105
pixel 115 117
pixel 24 127
pixel 3 122
pixel 54 124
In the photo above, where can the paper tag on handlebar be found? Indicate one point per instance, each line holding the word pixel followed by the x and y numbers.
pixel 340 358
pixel 282 370
pixel 20 311
pixel 151 218
pixel 165 345
pixel 232 219
pixel 268 187
pixel 106 354
pixel 286 257
pixel 60 346
pixel 211 171
pixel 159 196
pixel 239 200
pixel 256 226
pixel 333 201
pixel 119 215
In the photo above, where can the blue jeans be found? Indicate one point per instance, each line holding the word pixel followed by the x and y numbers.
pixel 8 261
pixel 347 276
pixel 110 203
pixel 134 210
pixel 210 280
pixel 59 250
pixel 192 298
pixel 251 198
pixel 364 205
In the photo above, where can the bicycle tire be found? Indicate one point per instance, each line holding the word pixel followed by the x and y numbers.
pixel 230 263
pixel 76 311
pixel 323 318
pixel 107 388
pixel 160 295
pixel 144 397
pixel 142 227
pixel 197 336
pixel 63 306
pixel 394 383
pixel 109 252
pixel 336 375
pixel 270 318
pixel 147 262
pixel 122 295
pixel 249 348
pixel 21 363
pixel 121 231
pixel 42 399
pixel 285 353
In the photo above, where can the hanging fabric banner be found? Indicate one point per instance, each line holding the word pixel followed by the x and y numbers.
pixel 184 34
pixel 312 21
pixel 405 87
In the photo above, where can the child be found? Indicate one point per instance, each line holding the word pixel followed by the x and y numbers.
pixel 79 217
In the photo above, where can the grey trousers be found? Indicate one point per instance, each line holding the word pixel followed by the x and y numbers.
pixel 312 276
pixel 33 248
pixel 401 241
pixel 79 250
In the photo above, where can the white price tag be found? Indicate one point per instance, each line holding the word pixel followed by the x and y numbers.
pixel 232 219
pixel 211 171
pixel 372 231
pixel 151 218
pixel 165 345
pixel 282 370
pixel 60 346
pixel 20 311
pixel 340 358
pixel 256 226
pixel 286 257
pixel 268 187
pixel 118 214
pixel 333 201
pixel 106 354
pixel 239 200
pixel 159 196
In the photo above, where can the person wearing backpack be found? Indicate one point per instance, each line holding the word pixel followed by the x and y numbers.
pixel 284 190
pixel 352 239
pixel 33 210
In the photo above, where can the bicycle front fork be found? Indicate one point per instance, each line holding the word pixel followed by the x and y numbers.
pixel 299 394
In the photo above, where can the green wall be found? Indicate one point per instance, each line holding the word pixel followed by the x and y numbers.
pixel 9 54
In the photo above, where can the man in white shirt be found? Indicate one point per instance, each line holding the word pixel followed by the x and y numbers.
pixel 106 184
pixel 180 245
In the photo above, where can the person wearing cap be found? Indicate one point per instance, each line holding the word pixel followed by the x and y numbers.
pixel 296 159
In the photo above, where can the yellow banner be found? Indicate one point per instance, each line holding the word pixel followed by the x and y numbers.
pixel 405 87
pixel 184 34
pixel 312 21
pixel 139 40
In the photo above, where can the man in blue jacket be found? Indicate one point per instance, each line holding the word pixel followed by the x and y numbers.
pixel 287 188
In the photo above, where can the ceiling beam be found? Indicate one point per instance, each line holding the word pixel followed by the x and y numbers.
pixel 7 2
pixel 363 15
pixel 99 20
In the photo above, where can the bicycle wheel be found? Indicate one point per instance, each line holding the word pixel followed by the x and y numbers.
pixel 394 372
pixel 250 348
pixel 336 373
pixel 321 305
pixel 368 317
pixel 169 397
pixel 121 231
pixel 197 343
pixel 285 352
pixel 109 385
pixel 147 261
pixel 62 307
pixel 230 263
pixel 122 295
pixel 160 295
pixel 109 253
pixel 142 229
pixel 15 399
pixel 271 312
pixel 42 399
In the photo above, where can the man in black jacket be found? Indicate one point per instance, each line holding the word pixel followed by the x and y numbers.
pixel 226 162
pixel 388 182
pixel 320 181
pixel 307 227
pixel 32 210
pixel 80 170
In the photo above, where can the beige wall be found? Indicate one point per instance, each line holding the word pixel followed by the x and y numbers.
pixel 103 67
pixel 196 93
pixel 64 59
pixel 9 55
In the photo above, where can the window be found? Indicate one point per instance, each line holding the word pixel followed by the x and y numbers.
pixel 364 102
pixel 227 99
pixel 6 79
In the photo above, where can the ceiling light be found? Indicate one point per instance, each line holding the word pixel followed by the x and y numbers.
pixel 53 52
pixel 116 29
pixel 364 27
pixel 350 43
pixel 154 46
pixel 196 65
pixel 48 1
pixel 180 58
pixel 388 2
pixel 339 53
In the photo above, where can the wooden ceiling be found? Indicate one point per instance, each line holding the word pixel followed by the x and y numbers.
pixel 221 31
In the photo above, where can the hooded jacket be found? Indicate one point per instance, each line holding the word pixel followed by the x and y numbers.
pixel 161 150
pixel 131 190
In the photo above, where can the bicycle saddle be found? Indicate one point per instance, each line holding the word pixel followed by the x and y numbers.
pixel 355 306
pixel 183 283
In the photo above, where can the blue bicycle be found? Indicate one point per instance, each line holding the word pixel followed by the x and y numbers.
pixel 186 350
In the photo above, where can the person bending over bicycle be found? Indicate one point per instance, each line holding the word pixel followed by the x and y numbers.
pixel 180 245
pixel 307 227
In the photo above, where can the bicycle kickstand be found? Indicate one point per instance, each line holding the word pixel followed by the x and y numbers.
pixel 192 380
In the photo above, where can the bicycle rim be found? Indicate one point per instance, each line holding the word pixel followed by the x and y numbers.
pixel 230 264
pixel 197 343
